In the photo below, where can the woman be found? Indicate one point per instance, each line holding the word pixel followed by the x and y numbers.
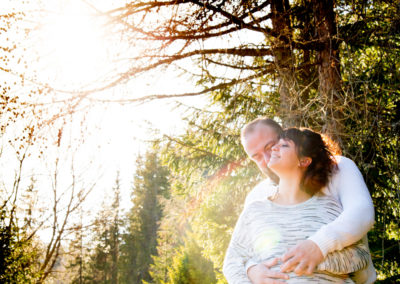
pixel 267 228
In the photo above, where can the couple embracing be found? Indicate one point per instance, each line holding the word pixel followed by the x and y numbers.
pixel 308 221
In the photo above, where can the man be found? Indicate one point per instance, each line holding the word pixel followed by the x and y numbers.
pixel 347 186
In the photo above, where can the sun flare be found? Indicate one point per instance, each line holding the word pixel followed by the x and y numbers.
pixel 73 47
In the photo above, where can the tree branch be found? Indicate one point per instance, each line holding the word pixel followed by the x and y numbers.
pixel 236 20
pixel 190 94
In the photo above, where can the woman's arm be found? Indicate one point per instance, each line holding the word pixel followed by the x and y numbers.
pixel 238 253
pixel 357 217
pixel 347 260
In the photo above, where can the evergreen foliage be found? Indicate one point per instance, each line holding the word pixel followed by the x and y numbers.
pixel 189 266
pixel 150 187
pixel 18 255
pixel 102 263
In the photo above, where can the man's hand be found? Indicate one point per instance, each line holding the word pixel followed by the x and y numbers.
pixel 302 258
pixel 261 273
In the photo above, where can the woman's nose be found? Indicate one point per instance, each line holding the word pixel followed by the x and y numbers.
pixel 275 147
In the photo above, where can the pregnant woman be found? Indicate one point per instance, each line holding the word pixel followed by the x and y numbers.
pixel 267 228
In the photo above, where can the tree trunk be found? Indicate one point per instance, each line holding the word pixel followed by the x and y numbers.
pixel 329 69
pixel 282 52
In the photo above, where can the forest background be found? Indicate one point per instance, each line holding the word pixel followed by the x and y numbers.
pixel 329 65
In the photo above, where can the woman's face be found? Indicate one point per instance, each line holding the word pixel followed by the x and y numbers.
pixel 284 157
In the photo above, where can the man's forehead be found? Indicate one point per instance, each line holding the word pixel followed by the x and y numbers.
pixel 260 136
pixel 264 131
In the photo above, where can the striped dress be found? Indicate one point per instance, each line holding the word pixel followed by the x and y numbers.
pixel 266 230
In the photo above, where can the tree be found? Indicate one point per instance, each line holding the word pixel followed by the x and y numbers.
pixel 18 253
pixel 287 47
pixel 102 263
pixel 150 187
pixel 190 267
pixel 212 178
pixel 23 142
pixel 169 239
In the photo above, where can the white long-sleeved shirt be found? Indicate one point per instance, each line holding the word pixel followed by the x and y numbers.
pixel 266 230
pixel 348 187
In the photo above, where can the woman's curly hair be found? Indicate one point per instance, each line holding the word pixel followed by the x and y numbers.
pixel 311 144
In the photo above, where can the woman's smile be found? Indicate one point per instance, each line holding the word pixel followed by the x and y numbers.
pixel 274 156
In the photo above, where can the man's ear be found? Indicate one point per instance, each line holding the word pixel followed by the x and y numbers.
pixel 305 162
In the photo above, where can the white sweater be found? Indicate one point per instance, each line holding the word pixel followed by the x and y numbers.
pixel 348 187
pixel 266 230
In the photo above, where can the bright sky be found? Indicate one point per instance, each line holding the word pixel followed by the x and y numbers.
pixel 73 50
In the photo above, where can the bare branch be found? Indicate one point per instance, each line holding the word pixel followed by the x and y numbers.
pixel 236 20
pixel 145 6
pixel 204 91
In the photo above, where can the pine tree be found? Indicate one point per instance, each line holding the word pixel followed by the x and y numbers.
pixel 150 187
pixel 102 264
pixel 17 252
pixel 189 266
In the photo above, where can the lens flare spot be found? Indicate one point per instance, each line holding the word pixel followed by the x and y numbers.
pixel 266 240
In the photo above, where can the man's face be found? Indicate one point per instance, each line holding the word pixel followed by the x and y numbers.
pixel 258 145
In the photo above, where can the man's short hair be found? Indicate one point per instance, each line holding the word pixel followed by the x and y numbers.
pixel 249 127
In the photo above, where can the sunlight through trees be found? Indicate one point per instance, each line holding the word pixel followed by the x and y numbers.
pixel 329 65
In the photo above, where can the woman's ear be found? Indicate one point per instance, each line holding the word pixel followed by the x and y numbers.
pixel 305 162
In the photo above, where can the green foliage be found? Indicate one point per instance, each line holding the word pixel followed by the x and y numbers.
pixel 100 265
pixel 18 255
pixel 150 188
pixel 169 237
pixel 212 176
pixel 190 267
pixel 372 78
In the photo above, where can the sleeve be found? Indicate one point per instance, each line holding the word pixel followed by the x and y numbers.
pixel 348 260
pixel 250 263
pixel 237 255
pixel 357 217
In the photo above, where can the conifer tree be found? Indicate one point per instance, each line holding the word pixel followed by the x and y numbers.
pixel 189 266
pixel 150 187
pixel 101 266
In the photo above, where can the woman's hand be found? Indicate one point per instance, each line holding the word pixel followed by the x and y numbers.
pixel 262 274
